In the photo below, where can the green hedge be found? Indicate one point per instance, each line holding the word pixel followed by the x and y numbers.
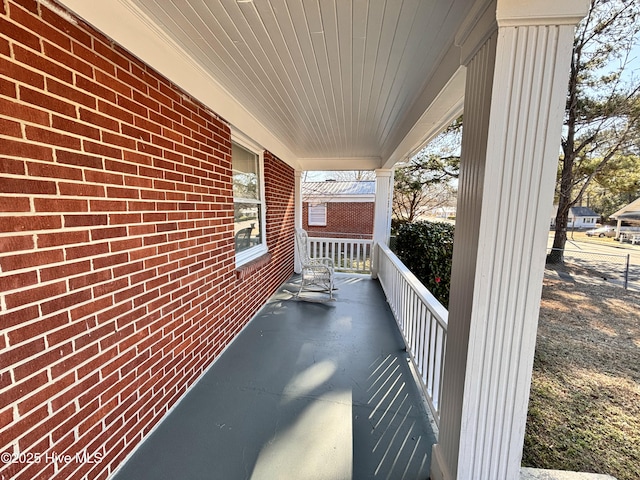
pixel 426 248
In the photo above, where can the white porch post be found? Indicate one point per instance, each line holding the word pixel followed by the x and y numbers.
pixel 297 216
pixel 618 227
pixel 382 215
pixel 517 57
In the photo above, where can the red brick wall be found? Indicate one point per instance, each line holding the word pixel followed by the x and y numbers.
pixel 118 284
pixel 344 220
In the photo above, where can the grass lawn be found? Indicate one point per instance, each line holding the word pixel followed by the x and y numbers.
pixel 584 409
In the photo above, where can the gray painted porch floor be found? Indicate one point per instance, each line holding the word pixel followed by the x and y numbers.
pixel 306 391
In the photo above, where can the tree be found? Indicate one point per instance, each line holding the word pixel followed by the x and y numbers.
pixel 354 175
pixel 427 182
pixel 614 186
pixel 603 104
pixel 442 155
pixel 339 176
pixel 417 191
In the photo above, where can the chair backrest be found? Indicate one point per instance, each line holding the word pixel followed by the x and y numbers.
pixel 302 244
pixel 243 238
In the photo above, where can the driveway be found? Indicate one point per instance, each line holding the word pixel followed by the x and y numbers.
pixel 605 258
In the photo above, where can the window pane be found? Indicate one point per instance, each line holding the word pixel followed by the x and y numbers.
pixel 247 225
pixel 246 179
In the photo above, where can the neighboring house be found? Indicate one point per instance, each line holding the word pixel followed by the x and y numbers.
pixel 150 166
pixel 579 217
pixel 338 209
pixel 629 213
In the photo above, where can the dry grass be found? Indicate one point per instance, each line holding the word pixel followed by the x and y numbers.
pixel 584 411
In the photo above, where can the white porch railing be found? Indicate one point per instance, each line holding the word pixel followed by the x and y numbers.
pixel 422 320
pixel 349 255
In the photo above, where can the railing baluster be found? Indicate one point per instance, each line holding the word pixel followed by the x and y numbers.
pixel 420 336
pixel 423 333
pixel 433 339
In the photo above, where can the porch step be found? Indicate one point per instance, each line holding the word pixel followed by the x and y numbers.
pixel 541 474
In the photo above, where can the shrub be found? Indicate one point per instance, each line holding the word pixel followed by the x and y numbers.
pixel 396 224
pixel 426 248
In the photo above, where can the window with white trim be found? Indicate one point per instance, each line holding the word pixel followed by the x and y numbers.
pixel 248 202
pixel 318 215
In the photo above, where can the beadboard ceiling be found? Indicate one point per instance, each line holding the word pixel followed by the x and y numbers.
pixel 336 83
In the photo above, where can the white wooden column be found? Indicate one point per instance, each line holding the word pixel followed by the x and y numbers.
pixel 382 213
pixel 297 217
pixel 517 57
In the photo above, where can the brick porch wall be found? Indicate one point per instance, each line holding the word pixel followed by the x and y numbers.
pixel 344 220
pixel 118 284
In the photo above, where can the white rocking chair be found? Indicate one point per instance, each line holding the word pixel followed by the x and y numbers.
pixel 317 273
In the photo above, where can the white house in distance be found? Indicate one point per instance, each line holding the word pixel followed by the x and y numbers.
pixel 579 217
pixel 442 212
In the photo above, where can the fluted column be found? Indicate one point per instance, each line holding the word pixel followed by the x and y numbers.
pixel 297 267
pixel 517 57
pixel 382 212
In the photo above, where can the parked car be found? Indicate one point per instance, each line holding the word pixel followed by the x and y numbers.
pixel 606 231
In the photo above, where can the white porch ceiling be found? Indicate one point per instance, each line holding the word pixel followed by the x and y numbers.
pixel 325 84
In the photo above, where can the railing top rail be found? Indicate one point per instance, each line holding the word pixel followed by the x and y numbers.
pixel 361 236
pixel 439 311
pixel 334 239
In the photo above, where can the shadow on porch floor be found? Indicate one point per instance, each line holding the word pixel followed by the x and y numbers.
pixel 306 391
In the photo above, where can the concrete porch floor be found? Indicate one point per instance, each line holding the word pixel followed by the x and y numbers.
pixel 306 391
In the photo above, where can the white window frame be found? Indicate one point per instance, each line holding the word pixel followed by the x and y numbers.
pixel 256 251
pixel 317 213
